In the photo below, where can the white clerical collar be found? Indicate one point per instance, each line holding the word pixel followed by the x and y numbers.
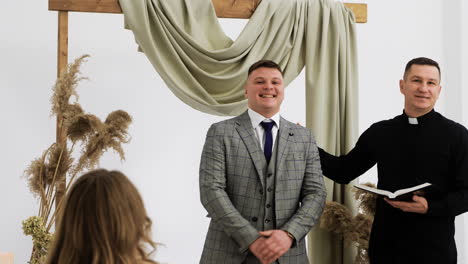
pixel 412 120
pixel 257 118
pixel 420 120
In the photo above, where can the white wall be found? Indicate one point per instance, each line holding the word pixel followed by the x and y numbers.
pixel 453 36
pixel 163 156
pixel 463 57
pixel 464 61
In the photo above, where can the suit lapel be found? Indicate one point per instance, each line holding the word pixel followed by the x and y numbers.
pixel 284 135
pixel 246 133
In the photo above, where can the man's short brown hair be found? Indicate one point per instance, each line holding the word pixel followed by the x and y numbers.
pixel 421 61
pixel 264 64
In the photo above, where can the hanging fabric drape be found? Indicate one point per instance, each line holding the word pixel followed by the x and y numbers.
pixel 331 113
pixel 206 69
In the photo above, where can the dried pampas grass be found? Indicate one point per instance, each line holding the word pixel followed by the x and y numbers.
pixel 118 121
pixel 71 112
pixel 83 127
pixel 337 218
pixel 59 162
pixel 65 86
pixel 36 177
pixel 99 137
pixel 360 233
pixel 47 175
pixel 367 200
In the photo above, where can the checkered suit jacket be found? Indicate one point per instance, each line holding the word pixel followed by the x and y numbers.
pixel 231 176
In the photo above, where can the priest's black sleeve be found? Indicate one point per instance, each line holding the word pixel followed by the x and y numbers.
pixel 455 202
pixel 346 168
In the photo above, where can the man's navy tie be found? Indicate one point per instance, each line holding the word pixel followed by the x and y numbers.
pixel 267 126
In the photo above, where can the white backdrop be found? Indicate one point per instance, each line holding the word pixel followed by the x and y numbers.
pixel 167 136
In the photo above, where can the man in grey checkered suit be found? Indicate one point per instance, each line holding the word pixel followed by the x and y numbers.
pixel 260 180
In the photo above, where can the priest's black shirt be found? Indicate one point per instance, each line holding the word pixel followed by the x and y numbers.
pixel 434 150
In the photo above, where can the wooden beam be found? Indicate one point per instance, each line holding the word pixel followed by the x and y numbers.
pixel 93 6
pixel 223 8
pixel 359 10
pixel 235 8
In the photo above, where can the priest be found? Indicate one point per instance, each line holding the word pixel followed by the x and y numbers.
pixel 418 146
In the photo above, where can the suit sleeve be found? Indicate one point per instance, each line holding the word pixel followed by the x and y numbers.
pixel 313 196
pixel 214 197
pixel 346 168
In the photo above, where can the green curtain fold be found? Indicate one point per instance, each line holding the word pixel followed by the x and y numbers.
pixel 331 113
pixel 206 69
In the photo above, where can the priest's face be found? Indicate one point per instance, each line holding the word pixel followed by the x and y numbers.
pixel 264 91
pixel 421 88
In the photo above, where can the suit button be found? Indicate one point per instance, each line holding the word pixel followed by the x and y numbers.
pixel 268 205
pixel 267 220
pixel 261 192
pixel 254 219
pixel 269 175
pixel 269 189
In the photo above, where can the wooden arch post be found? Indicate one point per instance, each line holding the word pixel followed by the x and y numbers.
pixel 62 62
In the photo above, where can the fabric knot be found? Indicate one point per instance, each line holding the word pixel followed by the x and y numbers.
pixel 267 125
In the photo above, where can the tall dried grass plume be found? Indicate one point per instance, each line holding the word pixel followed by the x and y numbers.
pixel 86 139
pixel 36 173
pixel 82 127
pixel 65 87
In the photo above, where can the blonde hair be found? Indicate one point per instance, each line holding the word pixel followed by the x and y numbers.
pixel 103 221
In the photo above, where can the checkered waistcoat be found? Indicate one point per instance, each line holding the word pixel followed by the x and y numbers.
pixel 234 184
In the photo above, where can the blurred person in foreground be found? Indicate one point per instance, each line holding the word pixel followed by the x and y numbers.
pixel 103 221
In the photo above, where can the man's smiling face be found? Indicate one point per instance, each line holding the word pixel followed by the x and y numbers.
pixel 264 91
pixel 421 88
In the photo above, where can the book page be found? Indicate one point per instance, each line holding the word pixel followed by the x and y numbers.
pixel 373 190
pixel 390 194
pixel 412 189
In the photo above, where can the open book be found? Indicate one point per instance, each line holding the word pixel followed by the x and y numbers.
pixel 402 194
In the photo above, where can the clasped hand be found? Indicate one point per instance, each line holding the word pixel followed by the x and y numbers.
pixel 271 245
pixel 418 205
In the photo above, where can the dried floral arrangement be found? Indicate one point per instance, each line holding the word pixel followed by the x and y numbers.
pixel 50 176
pixel 337 218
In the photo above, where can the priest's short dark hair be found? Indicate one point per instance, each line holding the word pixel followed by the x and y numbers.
pixel 421 61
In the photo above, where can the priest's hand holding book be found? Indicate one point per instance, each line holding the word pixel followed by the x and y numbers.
pixel 417 205
pixel 408 199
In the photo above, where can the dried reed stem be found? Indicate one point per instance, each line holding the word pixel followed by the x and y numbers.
pixel 43 203
pixel 52 185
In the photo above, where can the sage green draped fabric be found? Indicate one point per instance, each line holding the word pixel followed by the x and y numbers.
pixel 331 113
pixel 206 69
